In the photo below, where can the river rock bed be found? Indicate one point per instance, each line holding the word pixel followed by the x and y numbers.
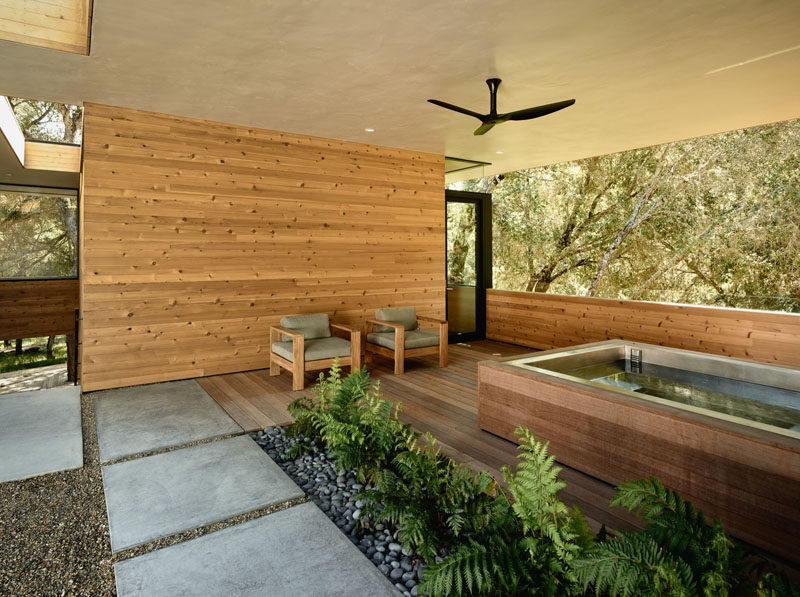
pixel 336 495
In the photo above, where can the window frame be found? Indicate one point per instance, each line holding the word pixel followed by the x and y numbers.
pixel 44 190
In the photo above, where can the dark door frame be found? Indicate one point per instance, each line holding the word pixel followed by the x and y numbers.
pixel 483 257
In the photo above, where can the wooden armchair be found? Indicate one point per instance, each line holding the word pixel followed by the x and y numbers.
pixel 309 343
pixel 397 335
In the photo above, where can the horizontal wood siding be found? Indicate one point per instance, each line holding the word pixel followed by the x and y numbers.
pixel 197 236
pixel 548 321
pixel 33 308
pixel 55 24
pixel 58 157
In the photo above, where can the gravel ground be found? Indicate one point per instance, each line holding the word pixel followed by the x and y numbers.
pixel 335 493
pixel 54 531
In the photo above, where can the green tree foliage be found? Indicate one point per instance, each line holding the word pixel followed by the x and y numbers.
pixel 35 235
pixel 713 220
pixel 48 121
pixel 461 229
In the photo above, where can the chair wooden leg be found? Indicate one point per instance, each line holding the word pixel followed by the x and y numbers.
pixel 298 376
pixel 298 363
pixel 399 350
pixel 355 351
pixel 274 368
pixel 443 344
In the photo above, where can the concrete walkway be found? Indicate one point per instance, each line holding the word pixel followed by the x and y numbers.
pixel 39 378
pixel 175 474
pixel 40 432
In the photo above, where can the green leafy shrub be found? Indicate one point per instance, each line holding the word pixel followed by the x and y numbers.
pixel 677 553
pixel 434 501
pixel 360 428
pixel 526 546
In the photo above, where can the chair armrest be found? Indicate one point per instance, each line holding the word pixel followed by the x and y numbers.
pixel 431 319
pixel 281 330
pixel 390 324
pixel 346 328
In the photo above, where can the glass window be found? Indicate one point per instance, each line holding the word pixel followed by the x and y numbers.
pixel 38 233
pixel 461 243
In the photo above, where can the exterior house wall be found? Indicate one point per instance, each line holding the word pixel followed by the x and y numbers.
pixel 196 236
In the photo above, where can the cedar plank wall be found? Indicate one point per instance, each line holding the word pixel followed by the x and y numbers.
pixel 34 308
pixel 549 321
pixel 198 235
pixel 55 24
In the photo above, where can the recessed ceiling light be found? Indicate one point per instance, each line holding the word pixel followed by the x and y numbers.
pixel 499 152
pixel 369 130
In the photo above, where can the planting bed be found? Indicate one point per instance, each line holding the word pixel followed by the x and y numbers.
pixel 336 494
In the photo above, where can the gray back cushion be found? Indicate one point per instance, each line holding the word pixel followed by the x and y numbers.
pixel 405 315
pixel 312 326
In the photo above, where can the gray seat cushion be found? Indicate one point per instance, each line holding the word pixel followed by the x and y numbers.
pixel 414 339
pixel 313 326
pixel 316 349
pixel 405 315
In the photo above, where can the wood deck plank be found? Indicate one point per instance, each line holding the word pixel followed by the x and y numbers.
pixel 442 401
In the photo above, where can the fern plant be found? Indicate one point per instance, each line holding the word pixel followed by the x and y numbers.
pixel 361 429
pixel 433 501
pixel 527 544
pixel 677 553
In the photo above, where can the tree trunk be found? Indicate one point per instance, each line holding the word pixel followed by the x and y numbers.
pixel 50 341
pixel 460 248
pixel 7 343
pixel 72 122
pixel 69 217
pixel 634 221
pixel 18 349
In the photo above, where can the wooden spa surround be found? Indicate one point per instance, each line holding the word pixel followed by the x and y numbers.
pixel 748 478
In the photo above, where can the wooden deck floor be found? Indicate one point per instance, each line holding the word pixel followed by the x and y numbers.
pixel 442 401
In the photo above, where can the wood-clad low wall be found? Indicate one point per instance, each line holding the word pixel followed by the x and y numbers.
pixel 34 308
pixel 196 236
pixel 546 321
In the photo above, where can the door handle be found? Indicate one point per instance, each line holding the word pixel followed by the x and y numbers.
pixel 449 288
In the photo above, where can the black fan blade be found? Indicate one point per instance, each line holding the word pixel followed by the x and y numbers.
pixel 456 108
pixel 485 128
pixel 538 111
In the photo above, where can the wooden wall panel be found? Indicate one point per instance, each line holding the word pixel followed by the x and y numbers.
pixel 197 236
pixel 548 321
pixel 55 24
pixel 34 308
pixel 58 157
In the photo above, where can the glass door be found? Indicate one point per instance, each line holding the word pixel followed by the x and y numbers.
pixel 468 263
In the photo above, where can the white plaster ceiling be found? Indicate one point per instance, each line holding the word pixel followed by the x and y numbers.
pixel 641 71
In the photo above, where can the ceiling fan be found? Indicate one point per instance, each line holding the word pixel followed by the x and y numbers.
pixel 492 118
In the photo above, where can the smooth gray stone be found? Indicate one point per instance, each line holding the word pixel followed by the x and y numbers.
pixel 294 552
pixel 40 432
pixel 143 418
pixel 160 495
